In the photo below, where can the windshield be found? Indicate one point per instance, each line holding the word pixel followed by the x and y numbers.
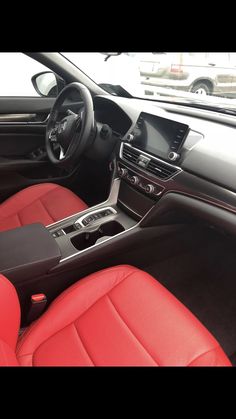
pixel 198 79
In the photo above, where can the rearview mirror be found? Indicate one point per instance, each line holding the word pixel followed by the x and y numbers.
pixel 47 84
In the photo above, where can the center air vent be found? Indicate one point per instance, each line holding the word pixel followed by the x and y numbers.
pixel 161 170
pixel 156 167
pixel 130 154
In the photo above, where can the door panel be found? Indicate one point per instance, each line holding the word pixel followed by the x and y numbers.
pixel 18 117
pixel 37 105
pixel 23 125
pixel 19 140
pixel 23 158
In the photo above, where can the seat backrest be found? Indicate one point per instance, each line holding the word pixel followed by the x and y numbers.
pixel 9 322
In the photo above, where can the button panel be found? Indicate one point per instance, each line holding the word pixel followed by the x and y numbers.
pixel 143 184
pixel 84 221
pixel 178 139
pixel 97 216
pixel 58 233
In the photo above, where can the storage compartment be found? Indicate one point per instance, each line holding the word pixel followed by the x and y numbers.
pixel 69 229
pixel 133 202
pixel 27 252
pixel 89 238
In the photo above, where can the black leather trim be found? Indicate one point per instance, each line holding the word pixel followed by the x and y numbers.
pixel 27 252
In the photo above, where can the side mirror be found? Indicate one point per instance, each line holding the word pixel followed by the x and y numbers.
pixel 47 84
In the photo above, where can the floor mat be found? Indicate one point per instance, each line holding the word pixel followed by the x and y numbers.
pixel 204 279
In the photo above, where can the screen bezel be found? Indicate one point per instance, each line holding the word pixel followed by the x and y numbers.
pixel 171 124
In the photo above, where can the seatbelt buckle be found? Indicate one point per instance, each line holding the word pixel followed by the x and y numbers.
pixel 37 306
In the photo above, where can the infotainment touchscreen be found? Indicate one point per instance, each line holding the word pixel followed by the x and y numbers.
pixel 157 135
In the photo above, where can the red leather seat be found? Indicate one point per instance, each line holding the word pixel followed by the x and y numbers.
pixel 118 316
pixel 44 203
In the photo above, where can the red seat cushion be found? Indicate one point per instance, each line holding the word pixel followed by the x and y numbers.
pixel 44 203
pixel 9 322
pixel 118 316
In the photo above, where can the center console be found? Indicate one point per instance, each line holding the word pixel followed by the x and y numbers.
pixel 148 161
pixel 141 182
pixel 96 225
pixel 144 179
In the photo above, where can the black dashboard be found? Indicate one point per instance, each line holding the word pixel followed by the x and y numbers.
pixel 108 112
pixel 152 133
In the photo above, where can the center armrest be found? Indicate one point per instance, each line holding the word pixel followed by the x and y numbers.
pixel 27 252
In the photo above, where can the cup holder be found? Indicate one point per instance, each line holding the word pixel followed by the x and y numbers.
pixel 87 239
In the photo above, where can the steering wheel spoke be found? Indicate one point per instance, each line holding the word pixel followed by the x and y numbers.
pixel 62 154
pixel 53 135
pixel 70 112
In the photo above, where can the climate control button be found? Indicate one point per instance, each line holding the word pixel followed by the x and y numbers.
pixel 150 188
pixel 122 172
pixel 134 180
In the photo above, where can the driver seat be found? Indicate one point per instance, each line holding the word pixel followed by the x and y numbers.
pixel 45 203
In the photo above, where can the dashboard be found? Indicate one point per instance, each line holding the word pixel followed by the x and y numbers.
pixel 168 149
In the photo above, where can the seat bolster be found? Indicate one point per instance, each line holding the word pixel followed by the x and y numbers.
pixel 7 355
pixel 24 198
pixel 44 203
pixel 215 357
pixel 9 322
pixel 9 313
pixel 69 306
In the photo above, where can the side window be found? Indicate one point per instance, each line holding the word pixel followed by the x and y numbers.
pixel 219 59
pixel 16 71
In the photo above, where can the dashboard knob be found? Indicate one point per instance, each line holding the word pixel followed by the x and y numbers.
pixel 149 188
pixel 122 172
pixel 134 180
pixel 173 156
pixel 105 131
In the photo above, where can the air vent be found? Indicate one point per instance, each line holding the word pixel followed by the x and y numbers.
pixel 161 170
pixel 130 154
pixel 156 167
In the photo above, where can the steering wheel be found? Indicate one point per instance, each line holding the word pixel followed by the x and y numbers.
pixel 72 133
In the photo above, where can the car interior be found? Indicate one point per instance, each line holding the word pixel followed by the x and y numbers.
pixel 117 228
